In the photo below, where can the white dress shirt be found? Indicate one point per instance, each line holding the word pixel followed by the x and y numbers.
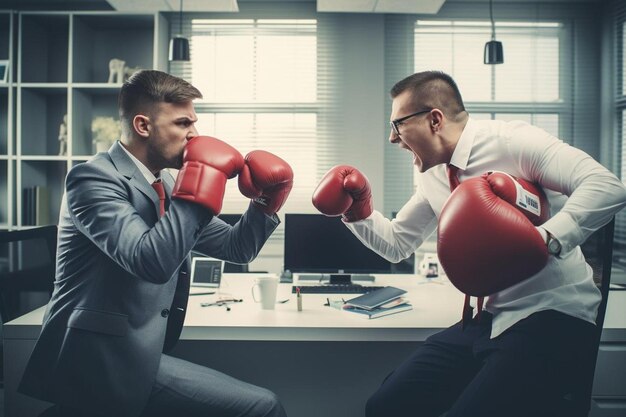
pixel 583 197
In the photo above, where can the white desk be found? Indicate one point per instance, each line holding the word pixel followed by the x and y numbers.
pixel 320 361
pixel 435 306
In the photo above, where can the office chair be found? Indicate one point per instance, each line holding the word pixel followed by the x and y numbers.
pixel 598 251
pixel 27 266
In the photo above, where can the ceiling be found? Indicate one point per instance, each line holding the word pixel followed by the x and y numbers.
pixel 197 4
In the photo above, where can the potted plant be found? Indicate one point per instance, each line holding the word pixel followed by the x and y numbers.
pixel 105 130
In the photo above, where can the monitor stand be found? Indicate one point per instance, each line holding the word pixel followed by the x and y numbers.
pixel 340 279
pixel 348 279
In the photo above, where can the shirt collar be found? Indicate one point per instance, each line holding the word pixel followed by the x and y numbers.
pixel 461 154
pixel 149 176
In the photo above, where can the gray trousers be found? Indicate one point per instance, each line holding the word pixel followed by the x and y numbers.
pixel 186 389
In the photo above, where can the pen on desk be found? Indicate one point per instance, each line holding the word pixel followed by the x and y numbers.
pixel 299 298
pixel 222 302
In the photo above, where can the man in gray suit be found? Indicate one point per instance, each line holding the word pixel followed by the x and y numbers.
pixel 122 286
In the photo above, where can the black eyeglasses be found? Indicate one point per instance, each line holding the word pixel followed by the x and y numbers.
pixel 397 122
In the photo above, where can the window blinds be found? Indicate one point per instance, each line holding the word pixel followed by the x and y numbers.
pixel 617 10
pixel 549 76
pixel 526 87
pixel 272 79
pixel 271 84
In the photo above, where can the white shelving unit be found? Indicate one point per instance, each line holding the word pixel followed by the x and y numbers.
pixel 60 66
pixel 7 94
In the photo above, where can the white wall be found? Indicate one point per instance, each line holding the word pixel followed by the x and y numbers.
pixel 364 116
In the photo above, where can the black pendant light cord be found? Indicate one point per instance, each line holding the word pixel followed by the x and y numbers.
pixel 180 17
pixel 493 24
pixel 179 45
pixel 494 53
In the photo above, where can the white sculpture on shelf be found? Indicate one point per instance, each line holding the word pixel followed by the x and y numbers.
pixel 119 71
pixel 63 136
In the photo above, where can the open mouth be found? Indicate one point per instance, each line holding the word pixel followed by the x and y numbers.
pixel 409 150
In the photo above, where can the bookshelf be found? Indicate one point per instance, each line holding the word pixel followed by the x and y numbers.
pixel 59 73
pixel 7 97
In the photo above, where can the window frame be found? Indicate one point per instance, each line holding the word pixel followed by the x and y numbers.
pixel 562 108
pixel 253 25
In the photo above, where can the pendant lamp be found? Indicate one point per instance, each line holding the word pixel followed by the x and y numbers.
pixel 179 45
pixel 494 54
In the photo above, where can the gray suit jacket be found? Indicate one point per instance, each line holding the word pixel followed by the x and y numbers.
pixel 117 271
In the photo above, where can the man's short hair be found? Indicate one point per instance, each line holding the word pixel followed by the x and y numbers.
pixel 432 89
pixel 147 88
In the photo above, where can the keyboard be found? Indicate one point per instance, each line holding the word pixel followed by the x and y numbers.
pixel 334 289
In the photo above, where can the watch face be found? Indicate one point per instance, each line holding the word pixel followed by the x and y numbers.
pixel 554 246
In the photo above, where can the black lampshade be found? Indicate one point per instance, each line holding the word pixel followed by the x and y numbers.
pixel 494 53
pixel 179 48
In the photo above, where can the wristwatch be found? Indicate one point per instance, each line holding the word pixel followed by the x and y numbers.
pixel 554 246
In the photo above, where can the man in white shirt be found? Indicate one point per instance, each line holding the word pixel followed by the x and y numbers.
pixel 518 357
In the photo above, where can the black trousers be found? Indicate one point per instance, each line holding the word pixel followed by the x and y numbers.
pixel 523 372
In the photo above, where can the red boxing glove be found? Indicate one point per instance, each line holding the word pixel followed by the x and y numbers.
pixel 207 164
pixel 344 190
pixel 267 179
pixel 486 243
pixel 526 196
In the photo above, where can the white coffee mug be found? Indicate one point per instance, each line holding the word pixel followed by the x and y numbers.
pixel 267 287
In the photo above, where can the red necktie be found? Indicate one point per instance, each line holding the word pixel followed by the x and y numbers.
pixel 160 190
pixel 454 182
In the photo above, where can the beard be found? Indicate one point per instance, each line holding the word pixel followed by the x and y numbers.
pixel 178 161
pixel 159 159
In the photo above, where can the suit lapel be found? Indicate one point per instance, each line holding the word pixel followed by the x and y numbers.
pixel 127 168
pixel 168 182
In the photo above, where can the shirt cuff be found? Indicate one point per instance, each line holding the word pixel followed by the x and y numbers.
pixel 543 232
pixel 564 229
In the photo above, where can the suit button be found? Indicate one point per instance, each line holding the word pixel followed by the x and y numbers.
pixel 165 312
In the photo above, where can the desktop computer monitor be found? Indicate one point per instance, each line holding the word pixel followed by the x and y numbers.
pixel 320 244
